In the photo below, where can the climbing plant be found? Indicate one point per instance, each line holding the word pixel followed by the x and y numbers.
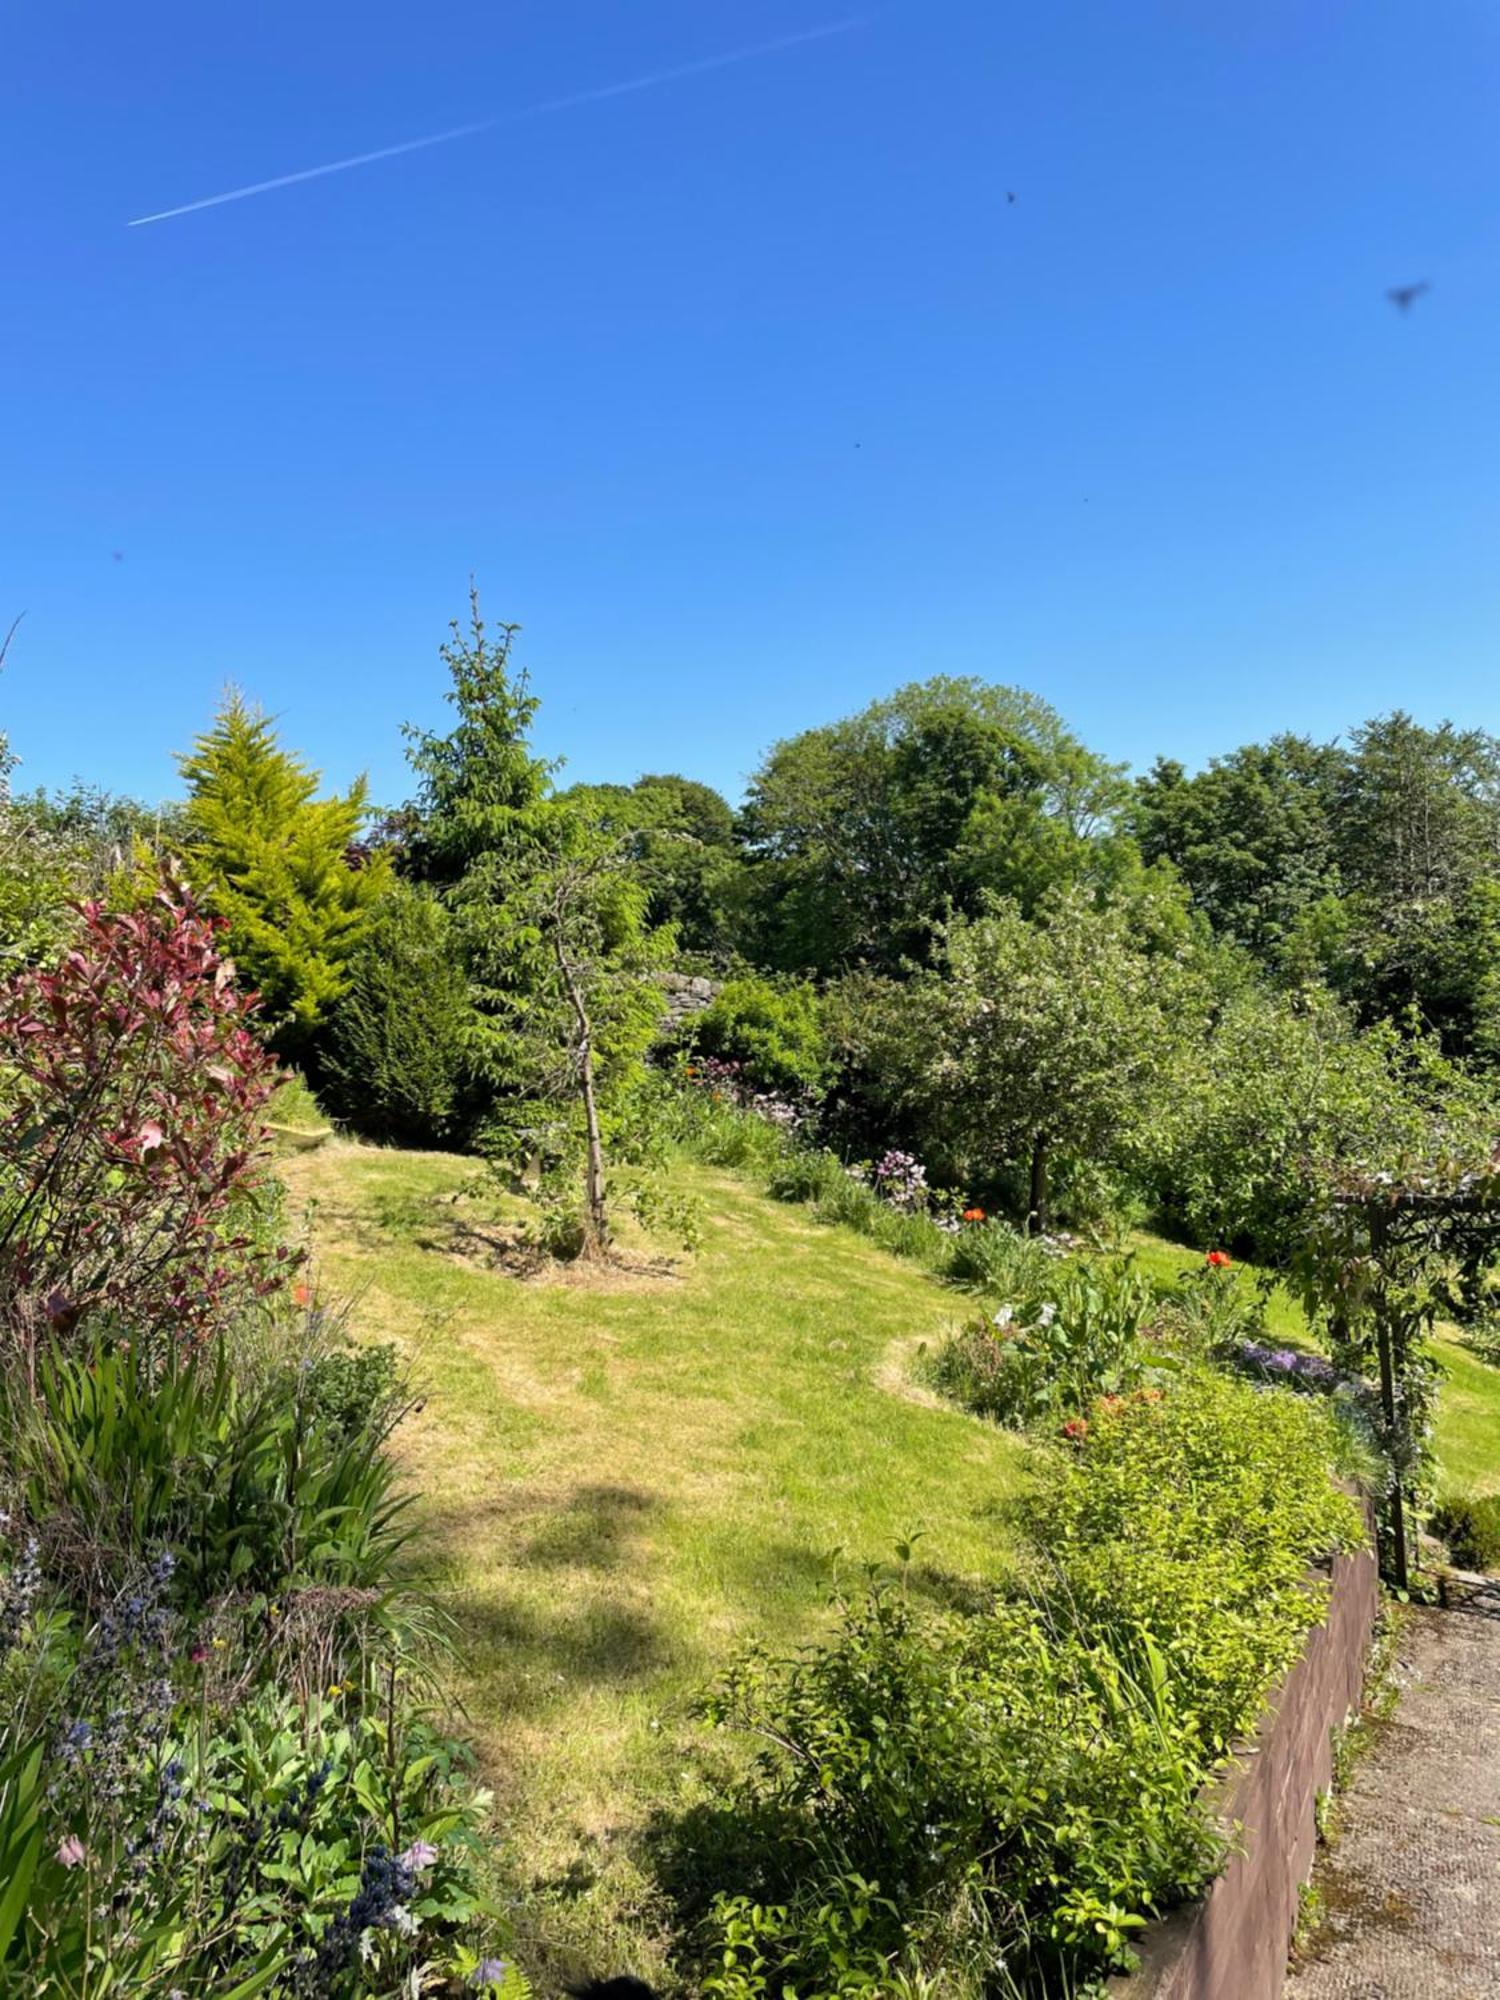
pixel 1388 1255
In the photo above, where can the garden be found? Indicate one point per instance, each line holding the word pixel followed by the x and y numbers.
pixel 508 1484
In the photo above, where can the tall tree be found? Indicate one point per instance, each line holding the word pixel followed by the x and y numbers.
pixel 864 835
pixel 279 864
pixel 679 837
pixel 1253 836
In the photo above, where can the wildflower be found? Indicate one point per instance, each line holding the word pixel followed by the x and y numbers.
pixel 302 1294
pixel 221 1645
pixel 1076 1429
pixel 1004 1317
pixel 198 1655
pixel 1046 1313
pixel 488 1972
pixel 421 1854
pixel 1218 1260
pixel 71 1851
pixel 973 1215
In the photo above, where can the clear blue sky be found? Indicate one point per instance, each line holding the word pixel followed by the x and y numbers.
pixel 749 395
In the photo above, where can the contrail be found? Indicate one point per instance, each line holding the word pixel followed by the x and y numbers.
pixel 513 117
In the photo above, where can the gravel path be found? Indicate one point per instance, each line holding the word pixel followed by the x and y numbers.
pixel 1412 1885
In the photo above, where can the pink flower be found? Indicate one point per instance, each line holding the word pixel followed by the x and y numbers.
pixel 421 1854
pixel 71 1851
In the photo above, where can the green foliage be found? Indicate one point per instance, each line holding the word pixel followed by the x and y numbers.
pixel 1050 1353
pixel 990 1256
pixel 549 924
pixel 294 1105
pixel 774 1032
pixel 397 1063
pixel 1252 836
pixel 679 839
pixel 1210 1562
pixel 1471 1528
pixel 277 863
pixel 1279 1083
pixel 122 1455
pixel 947 1794
pixel 863 835
pixel 1029 1040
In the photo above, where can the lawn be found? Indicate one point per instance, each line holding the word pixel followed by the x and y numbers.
pixel 626 1478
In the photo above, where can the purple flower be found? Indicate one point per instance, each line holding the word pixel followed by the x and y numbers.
pixel 421 1854
pixel 488 1972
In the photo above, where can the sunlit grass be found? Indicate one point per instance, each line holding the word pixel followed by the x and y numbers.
pixel 627 1477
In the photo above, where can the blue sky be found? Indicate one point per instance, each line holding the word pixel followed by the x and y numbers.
pixel 749 395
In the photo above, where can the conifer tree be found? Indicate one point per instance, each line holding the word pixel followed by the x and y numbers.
pixel 549 920
pixel 281 866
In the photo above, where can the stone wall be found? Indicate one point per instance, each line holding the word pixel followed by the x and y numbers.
pixel 684 995
pixel 1233 1944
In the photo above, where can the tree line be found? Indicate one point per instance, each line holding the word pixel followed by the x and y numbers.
pixel 944 922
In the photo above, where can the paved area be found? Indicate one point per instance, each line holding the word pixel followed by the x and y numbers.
pixel 1412 1885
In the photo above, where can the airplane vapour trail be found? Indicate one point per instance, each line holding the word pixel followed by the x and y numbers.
pixel 542 110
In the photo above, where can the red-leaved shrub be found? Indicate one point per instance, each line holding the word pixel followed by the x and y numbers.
pixel 131 1136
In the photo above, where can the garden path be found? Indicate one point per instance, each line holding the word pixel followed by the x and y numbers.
pixel 1411 1888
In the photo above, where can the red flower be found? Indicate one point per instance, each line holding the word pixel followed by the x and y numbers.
pixel 973 1215
pixel 1076 1428
pixel 302 1295
pixel 198 1655
pixel 1218 1260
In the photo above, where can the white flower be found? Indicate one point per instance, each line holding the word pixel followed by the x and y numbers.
pixel 1004 1317
pixel 1046 1314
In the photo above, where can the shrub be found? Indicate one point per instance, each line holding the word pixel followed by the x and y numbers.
pixel 990 1256
pixel 199 1832
pixel 773 1032
pixel 949 1794
pixel 1001 1799
pixel 396 1064
pixel 1471 1528
pixel 1075 1338
pixel 130 1146
pixel 281 867
pixel 288 1485
pixel 1194 1518
pixel 294 1105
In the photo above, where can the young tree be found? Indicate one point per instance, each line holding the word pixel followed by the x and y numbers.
pixel 278 863
pixel 1032 1040
pixel 549 918
pixel 576 925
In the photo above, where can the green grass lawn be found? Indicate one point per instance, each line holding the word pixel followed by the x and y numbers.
pixel 628 1476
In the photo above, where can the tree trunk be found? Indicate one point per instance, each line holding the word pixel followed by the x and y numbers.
pixel 1036 1210
pixel 597 1220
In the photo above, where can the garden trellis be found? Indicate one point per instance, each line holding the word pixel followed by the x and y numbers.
pixel 1391 1254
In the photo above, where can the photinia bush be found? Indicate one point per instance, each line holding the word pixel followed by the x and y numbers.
pixel 131 1134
